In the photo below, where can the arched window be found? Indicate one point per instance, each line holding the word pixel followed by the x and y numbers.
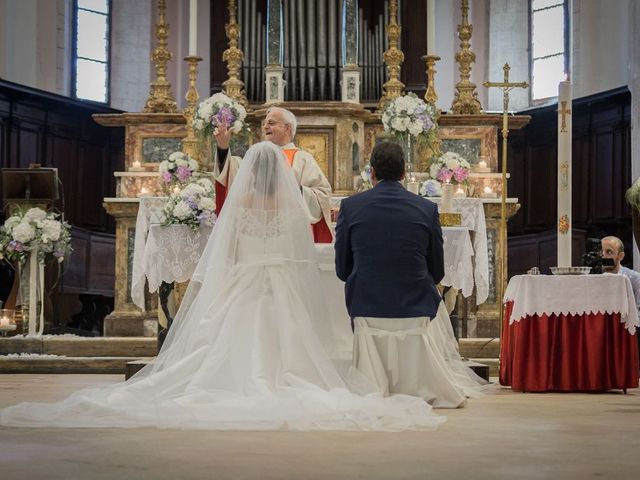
pixel 90 67
pixel 548 47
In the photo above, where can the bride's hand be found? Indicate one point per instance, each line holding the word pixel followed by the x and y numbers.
pixel 222 135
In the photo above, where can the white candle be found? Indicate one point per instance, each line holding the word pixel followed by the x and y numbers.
pixel 459 193
pixel 564 175
pixel 431 27
pixel 136 166
pixel 447 198
pixel 143 192
pixel 193 28
pixel 4 321
pixel 488 192
pixel 482 164
pixel 176 189
pixel 413 187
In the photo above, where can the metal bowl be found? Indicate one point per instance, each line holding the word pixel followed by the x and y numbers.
pixel 570 270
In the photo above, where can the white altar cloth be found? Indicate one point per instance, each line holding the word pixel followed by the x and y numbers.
pixel 572 295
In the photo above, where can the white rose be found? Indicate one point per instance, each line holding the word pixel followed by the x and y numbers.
pixel 198 124
pixel 51 229
pixel 452 162
pixel 175 156
pixel 415 129
pixel 193 165
pixel 35 215
pixel 182 210
pixel 10 223
pixel 397 124
pixel 164 166
pixel 182 162
pixel 206 203
pixel 192 189
pixel 206 184
pixel 23 232
pixel 237 126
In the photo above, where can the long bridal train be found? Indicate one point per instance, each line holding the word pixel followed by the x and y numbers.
pixel 249 347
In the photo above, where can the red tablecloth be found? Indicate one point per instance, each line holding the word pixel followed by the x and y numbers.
pixel 589 352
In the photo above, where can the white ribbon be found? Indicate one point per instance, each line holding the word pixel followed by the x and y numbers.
pixel 392 344
pixel 36 290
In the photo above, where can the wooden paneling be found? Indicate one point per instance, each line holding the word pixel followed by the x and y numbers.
pixel 55 131
pixel 601 172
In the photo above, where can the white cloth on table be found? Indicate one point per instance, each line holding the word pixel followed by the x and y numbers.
pixel 634 278
pixel 415 356
pixel 149 213
pixel 572 295
pixel 458 259
pixel 472 211
pixel 172 252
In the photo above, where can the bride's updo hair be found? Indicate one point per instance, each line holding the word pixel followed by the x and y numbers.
pixel 265 157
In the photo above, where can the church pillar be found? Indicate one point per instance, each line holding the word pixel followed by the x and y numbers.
pixel 274 72
pixel 350 69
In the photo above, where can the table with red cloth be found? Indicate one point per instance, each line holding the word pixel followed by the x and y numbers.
pixel 569 333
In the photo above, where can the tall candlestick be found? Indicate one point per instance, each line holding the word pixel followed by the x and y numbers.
pixel 431 27
pixel 564 174
pixel 193 28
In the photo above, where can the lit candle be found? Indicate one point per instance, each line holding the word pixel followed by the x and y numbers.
pixel 176 189
pixel 488 192
pixel 136 166
pixel 143 192
pixel 481 166
pixel 413 186
pixel 193 28
pixel 459 193
pixel 4 321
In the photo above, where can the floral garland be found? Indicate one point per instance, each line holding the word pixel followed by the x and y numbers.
pixel 32 230
pixel 194 205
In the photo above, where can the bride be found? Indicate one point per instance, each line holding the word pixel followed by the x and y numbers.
pixel 251 344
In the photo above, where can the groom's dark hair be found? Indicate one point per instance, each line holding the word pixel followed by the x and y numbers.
pixel 387 160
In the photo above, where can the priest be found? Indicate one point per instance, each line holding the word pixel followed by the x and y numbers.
pixel 279 127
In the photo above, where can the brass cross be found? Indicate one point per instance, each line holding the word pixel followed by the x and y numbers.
pixel 564 111
pixel 506 87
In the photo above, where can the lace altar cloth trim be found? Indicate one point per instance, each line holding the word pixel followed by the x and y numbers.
pixel 572 295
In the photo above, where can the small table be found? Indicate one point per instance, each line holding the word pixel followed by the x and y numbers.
pixel 569 333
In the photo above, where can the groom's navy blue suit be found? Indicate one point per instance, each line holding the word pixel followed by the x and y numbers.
pixel 389 253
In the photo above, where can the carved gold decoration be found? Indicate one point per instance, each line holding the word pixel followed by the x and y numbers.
pixel 233 56
pixel 430 95
pixel 450 219
pixel 190 142
pixel 317 144
pixel 506 87
pixel 160 97
pixel 393 57
pixel 465 101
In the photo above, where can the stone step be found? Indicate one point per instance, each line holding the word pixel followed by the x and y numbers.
pixel 59 364
pixel 492 363
pixel 480 347
pixel 75 346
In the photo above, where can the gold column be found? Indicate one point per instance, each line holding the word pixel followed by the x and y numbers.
pixel 160 97
pixel 190 142
pixel 233 86
pixel 465 101
pixel 393 57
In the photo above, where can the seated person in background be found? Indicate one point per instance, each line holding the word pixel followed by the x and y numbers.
pixel 612 247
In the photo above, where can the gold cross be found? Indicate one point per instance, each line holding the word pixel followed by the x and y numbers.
pixel 506 87
pixel 564 111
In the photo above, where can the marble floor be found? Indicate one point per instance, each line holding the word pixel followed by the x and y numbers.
pixel 502 436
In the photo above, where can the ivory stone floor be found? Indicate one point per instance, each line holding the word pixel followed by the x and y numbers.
pixel 506 435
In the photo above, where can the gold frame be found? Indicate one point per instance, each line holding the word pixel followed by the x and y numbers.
pixel 327 136
pixel 488 141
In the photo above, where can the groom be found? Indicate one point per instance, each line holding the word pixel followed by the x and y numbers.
pixel 389 245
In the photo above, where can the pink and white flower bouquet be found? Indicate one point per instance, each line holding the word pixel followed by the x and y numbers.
pixel 194 205
pixel 179 169
pixel 450 167
pixel 217 109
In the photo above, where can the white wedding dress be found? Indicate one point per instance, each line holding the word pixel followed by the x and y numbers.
pixel 250 348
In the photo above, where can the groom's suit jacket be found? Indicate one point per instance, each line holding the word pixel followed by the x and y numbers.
pixel 389 252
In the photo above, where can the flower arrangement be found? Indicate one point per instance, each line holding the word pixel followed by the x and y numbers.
pixel 450 168
pixel 409 117
pixel 431 188
pixel 32 230
pixel 217 109
pixel 194 205
pixel 178 169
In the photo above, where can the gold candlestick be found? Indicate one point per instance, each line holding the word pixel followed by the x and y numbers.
pixel 466 100
pixel 233 86
pixel 393 57
pixel 430 95
pixel 160 97
pixel 190 142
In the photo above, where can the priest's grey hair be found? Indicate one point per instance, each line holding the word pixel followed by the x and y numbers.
pixel 289 118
